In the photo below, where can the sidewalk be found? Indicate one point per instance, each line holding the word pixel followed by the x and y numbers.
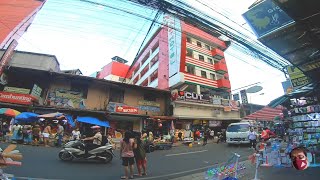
pixel 266 173
pixel 248 173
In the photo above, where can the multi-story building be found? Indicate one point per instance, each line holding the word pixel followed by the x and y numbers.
pixel 190 62
pixel 16 17
pixel 116 70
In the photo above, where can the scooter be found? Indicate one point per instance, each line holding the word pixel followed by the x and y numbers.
pixel 76 150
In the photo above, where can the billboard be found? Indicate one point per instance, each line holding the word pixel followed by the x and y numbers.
pixel 266 17
pixel 174 43
pixel 298 79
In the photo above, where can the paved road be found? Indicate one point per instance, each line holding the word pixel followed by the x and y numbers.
pixel 41 162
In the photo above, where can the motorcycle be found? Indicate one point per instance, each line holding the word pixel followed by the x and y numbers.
pixel 76 150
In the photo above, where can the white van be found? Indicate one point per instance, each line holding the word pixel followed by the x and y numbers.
pixel 237 133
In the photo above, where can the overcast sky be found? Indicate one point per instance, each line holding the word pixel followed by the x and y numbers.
pixel 87 36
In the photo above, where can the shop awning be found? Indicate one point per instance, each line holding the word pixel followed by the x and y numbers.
pixel 94 121
pixel 303 90
pixel 265 114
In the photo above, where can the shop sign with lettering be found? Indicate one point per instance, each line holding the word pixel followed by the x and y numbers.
pixel 16 90
pixel 216 101
pixel 149 103
pixel 225 102
pixel 188 96
pixel 15 98
pixel 127 109
pixel 214 123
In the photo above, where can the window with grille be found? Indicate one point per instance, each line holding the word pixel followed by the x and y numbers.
pixel 203 74
pixel 201 58
pixel 189 52
pixel 190 69
pixel 199 44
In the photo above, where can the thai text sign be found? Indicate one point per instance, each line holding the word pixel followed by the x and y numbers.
pixel 127 109
pixel 10 97
pixel 149 103
pixel 16 90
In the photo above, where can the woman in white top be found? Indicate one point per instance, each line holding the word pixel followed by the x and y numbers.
pixel 76 134
pixel 253 138
pixel 17 132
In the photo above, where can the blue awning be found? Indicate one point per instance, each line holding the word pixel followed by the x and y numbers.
pixel 27 117
pixel 94 121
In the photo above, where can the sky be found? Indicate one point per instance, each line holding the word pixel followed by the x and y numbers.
pixel 86 36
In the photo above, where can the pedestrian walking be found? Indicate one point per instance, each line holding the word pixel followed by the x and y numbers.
pixel 206 134
pixel 60 132
pixel 140 156
pixel 180 135
pixel 36 134
pixel 17 132
pixel 127 144
pixel 253 139
pixel 46 134
pixel 212 134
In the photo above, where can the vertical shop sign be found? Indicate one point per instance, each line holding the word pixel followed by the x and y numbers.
pixel 174 43
pixel 7 55
pixel 36 91
pixel 244 96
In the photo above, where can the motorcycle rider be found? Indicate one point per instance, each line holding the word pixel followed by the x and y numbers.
pixel 96 139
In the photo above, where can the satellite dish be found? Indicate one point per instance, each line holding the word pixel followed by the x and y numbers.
pixel 254 89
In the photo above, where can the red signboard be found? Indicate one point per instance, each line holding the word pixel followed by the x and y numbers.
pixel 15 98
pixel 127 109
pixel 6 57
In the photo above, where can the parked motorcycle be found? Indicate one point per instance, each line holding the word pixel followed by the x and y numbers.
pixel 76 150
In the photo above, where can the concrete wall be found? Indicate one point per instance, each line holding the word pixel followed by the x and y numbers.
pixel 97 98
pixel 33 61
pixel 204 111
pixel 132 98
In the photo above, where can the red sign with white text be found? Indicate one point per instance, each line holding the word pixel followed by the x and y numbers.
pixel 127 109
pixel 15 98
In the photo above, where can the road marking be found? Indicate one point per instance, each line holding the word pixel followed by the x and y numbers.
pixel 29 178
pixel 178 154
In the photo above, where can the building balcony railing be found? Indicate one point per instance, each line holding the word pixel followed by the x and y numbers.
pixel 199 63
pixel 217 53
pixel 224 84
pixel 199 49
pixel 221 68
pixel 194 79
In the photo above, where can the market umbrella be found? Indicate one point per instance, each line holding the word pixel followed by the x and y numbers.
pixel 9 112
pixel 51 115
pixel 94 121
pixel 27 117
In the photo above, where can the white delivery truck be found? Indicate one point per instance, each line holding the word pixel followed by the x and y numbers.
pixel 237 133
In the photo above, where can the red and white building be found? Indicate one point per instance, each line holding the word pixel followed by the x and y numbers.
pixel 182 58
